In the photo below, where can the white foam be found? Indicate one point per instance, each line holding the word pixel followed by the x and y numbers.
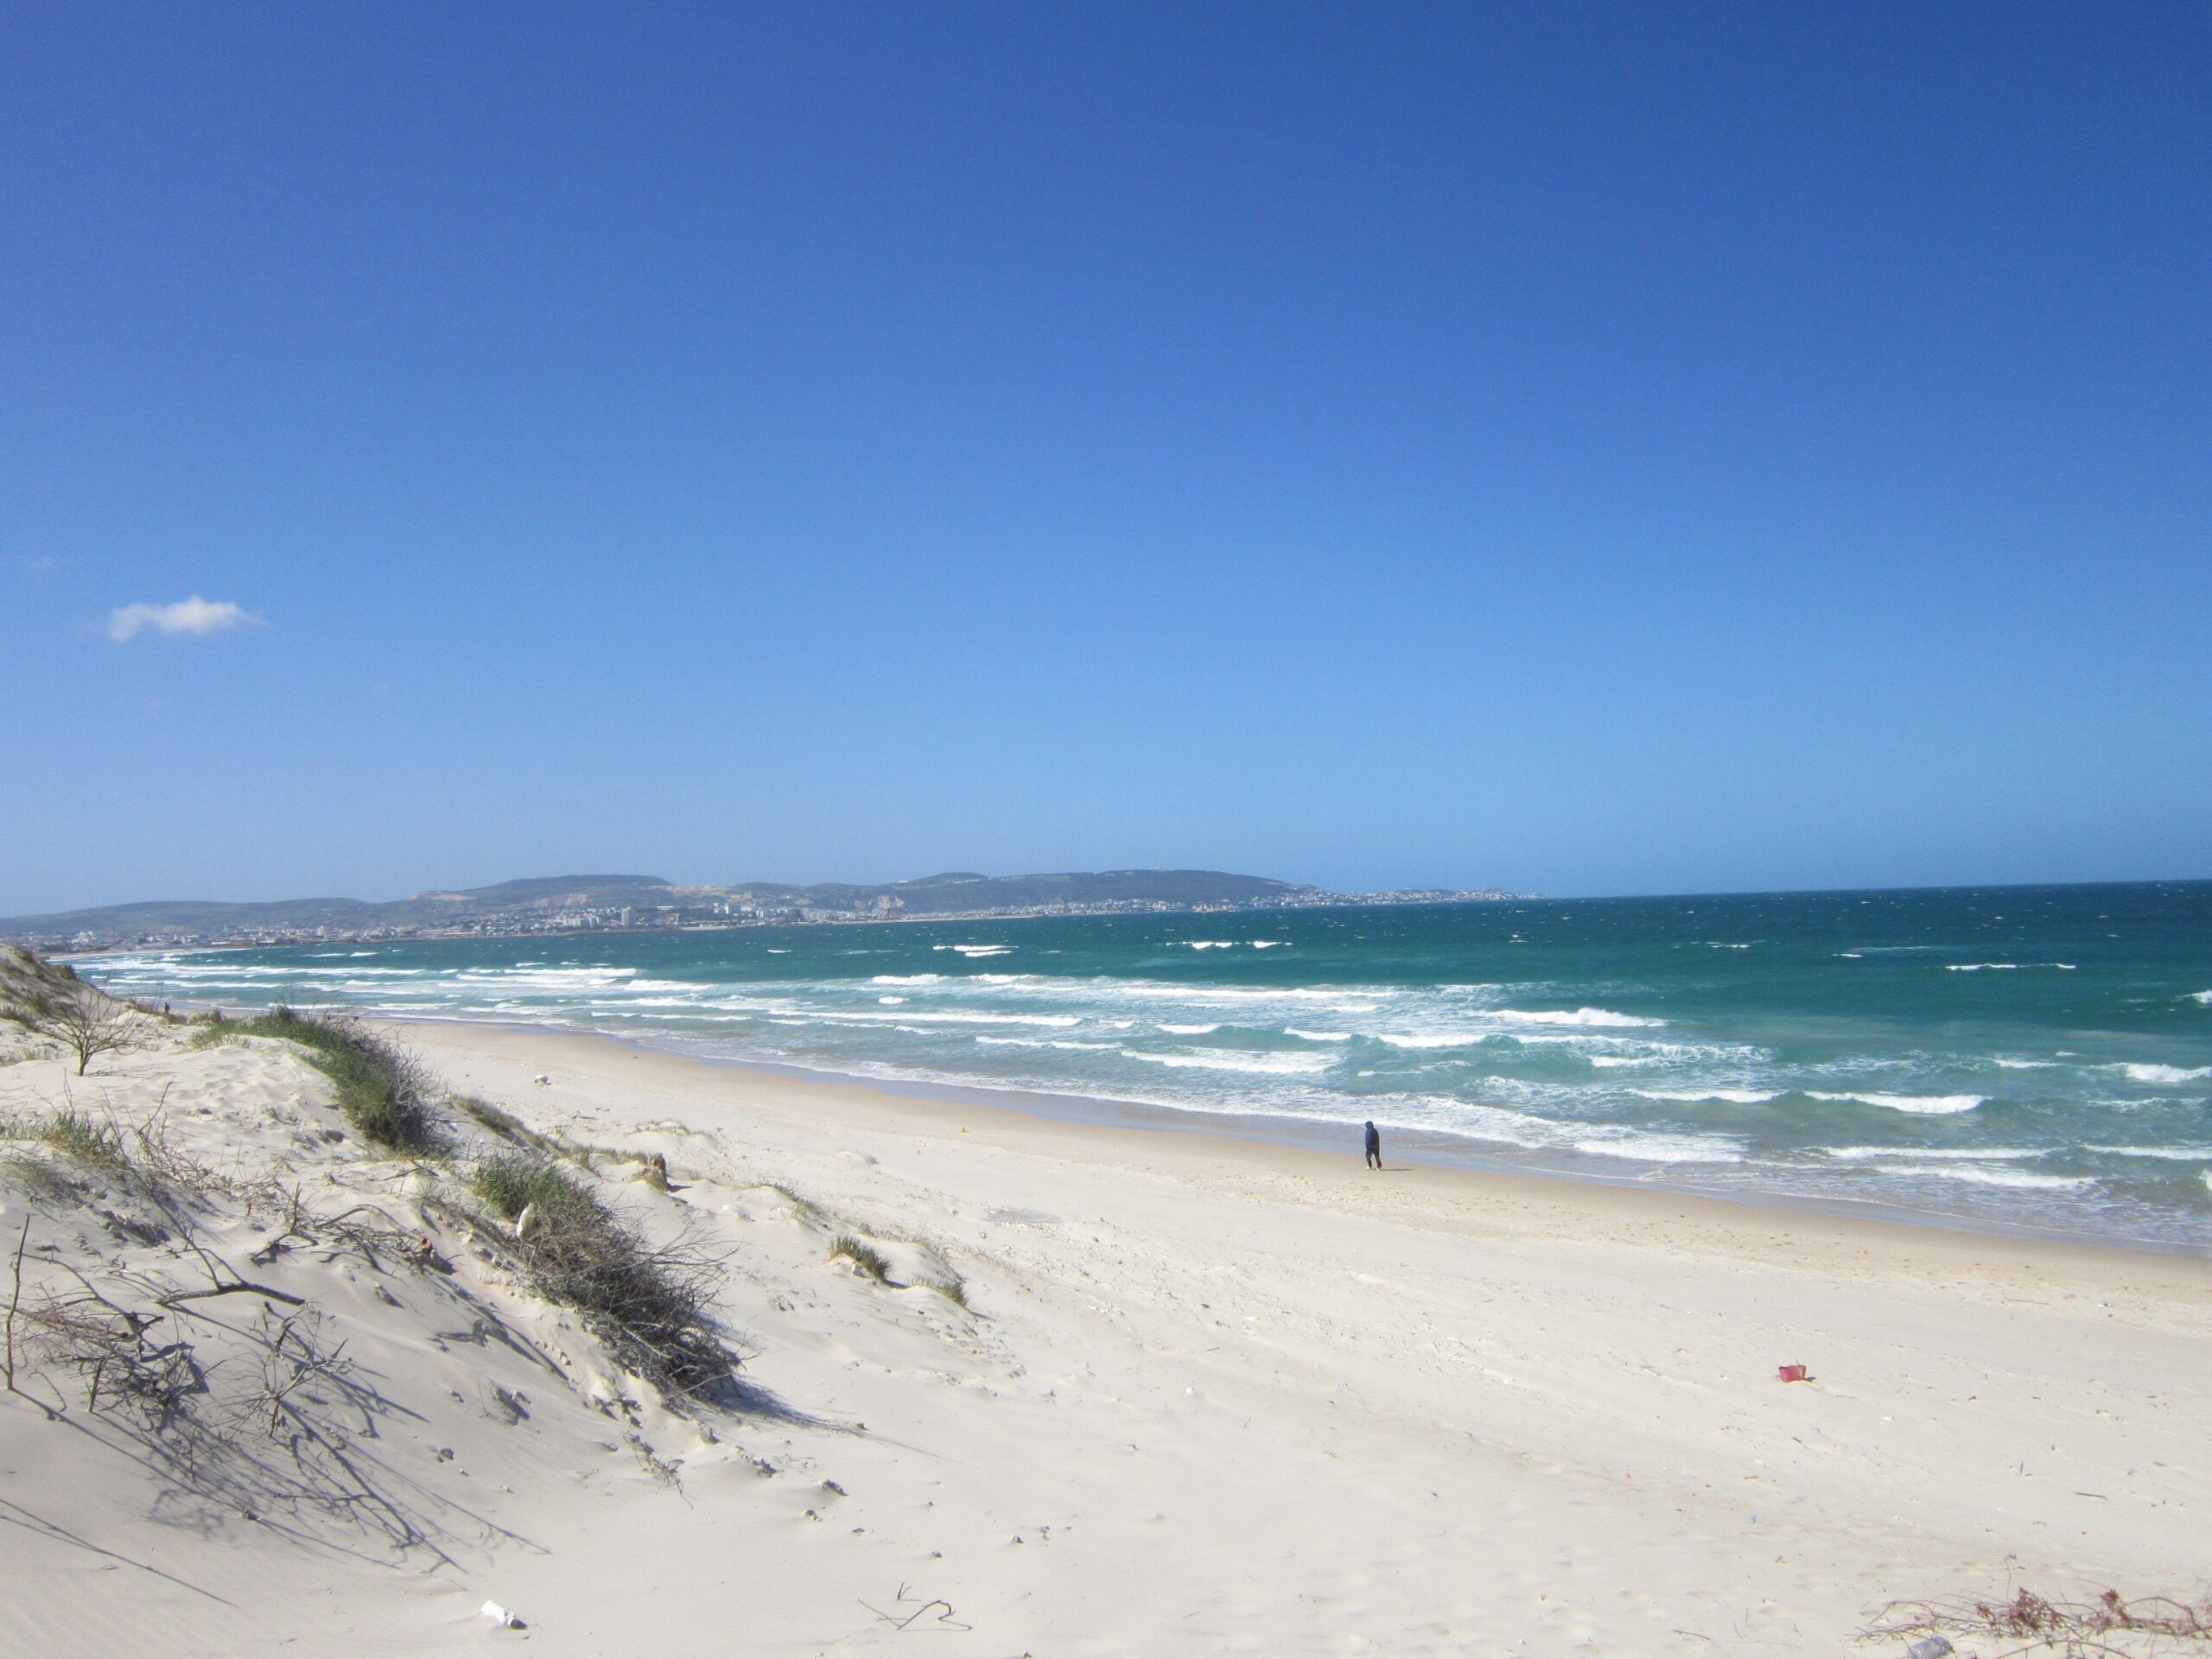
pixel 1937 1105
pixel 1431 1038
pixel 1191 1031
pixel 1969 1155
pixel 890 1001
pixel 1608 1060
pixel 1568 1017
pixel 2205 997
pixel 1733 1097
pixel 1268 1065
pixel 1850 956
pixel 1721 945
pixel 1318 1036
pixel 1360 999
pixel 2176 1155
pixel 972 951
pixel 1039 1042
pixel 1977 967
pixel 963 1017
pixel 1662 1149
pixel 249 973
pixel 2147 1073
pixel 566 978
pixel 907 979
pixel 1976 1175
pixel 2025 1065
pixel 1268 945
pixel 1210 944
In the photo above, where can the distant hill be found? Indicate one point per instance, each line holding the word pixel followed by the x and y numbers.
pixel 962 892
pixel 305 915
pixel 545 903
pixel 583 903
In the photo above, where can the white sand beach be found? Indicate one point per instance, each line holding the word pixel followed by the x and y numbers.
pixel 1204 1396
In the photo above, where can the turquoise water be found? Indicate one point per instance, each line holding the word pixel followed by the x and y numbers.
pixel 2008 1057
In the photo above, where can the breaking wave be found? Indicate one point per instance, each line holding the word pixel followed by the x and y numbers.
pixel 1937 1105
pixel 1981 1175
pixel 2148 1073
pixel 1733 1096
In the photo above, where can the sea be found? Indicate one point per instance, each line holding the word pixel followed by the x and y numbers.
pixel 2010 1060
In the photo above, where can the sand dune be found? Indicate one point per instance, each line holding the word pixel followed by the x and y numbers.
pixel 1203 1396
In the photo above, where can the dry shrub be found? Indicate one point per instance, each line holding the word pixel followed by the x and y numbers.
pixel 79 1136
pixel 48 1000
pixel 385 1091
pixel 862 1255
pixel 651 1306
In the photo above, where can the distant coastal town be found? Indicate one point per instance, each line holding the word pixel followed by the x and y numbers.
pixel 599 904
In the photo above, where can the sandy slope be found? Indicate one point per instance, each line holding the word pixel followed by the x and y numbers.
pixel 1206 1397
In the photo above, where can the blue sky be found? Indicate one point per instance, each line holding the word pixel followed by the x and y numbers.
pixel 1582 448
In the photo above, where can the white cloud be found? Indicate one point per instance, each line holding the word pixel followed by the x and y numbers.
pixel 194 615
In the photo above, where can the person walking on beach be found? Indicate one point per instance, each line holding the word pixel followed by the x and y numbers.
pixel 1373 1146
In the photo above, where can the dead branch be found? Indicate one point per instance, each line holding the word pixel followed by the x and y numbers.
pixel 2108 1626
pixel 241 1288
pixel 14 1301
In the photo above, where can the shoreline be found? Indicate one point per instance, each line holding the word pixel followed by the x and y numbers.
pixel 1182 1137
pixel 1787 1178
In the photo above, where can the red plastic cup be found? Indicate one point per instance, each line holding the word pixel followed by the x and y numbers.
pixel 1793 1373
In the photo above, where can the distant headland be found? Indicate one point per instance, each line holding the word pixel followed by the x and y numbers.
pixel 576 903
